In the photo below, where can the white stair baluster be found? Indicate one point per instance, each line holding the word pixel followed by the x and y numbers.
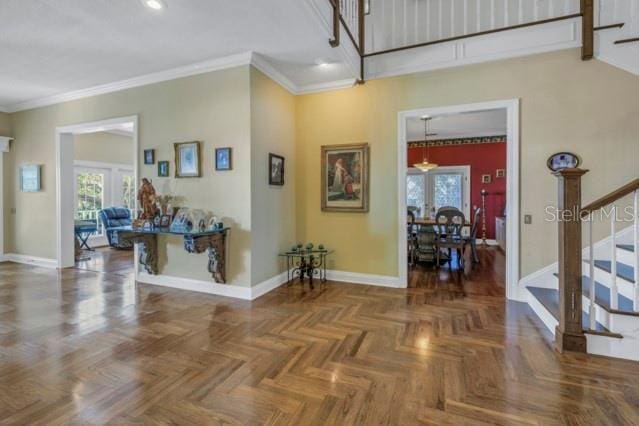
pixel 591 274
pixel 614 292
pixel 636 252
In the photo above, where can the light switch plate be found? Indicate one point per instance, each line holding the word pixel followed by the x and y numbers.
pixel 527 219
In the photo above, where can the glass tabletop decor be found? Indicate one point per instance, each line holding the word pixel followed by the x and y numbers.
pixel 306 261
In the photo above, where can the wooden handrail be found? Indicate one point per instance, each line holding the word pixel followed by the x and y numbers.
pixel 615 195
pixel 337 16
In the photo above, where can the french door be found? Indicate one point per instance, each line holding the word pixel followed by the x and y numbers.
pixel 100 186
pixel 440 187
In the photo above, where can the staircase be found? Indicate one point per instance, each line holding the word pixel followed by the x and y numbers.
pixel 617 43
pixel 608 286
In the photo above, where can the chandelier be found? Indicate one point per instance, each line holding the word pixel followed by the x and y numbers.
pixel 425 166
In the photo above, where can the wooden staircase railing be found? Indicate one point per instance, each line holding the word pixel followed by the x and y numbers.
pixel 569 335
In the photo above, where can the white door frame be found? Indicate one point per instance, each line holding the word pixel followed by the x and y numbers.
pixel 512 184
pixel 64 154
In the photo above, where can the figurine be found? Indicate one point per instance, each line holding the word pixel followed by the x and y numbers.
pixel 146 197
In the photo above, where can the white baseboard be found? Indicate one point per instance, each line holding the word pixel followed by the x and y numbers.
pixel 368 279
pixel 209 287
pixel 42 262
pixel 268 285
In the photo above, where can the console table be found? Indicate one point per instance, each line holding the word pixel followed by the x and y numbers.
pixel 213 242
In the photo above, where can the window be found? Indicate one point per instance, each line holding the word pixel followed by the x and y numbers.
pixel 447 190
pixel 443 186
pixel 89 196
pixel 415 192
pixel 99 186
pixel 128 191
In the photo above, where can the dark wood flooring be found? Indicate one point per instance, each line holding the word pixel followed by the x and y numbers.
pixel 84 347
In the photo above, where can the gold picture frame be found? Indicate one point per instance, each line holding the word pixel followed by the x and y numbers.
pixel 188 160
pixel 345 173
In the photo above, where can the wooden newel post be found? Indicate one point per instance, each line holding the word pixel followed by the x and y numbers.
pixel 569 335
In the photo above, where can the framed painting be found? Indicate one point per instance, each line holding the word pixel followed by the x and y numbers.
pixel 276 170
pixel 163 169
pixel 149 156
pixel 344 182
pixel 30 178
pixel 223 159
pixel 187 160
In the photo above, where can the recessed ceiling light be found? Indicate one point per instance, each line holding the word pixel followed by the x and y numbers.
pixel 154 4
pixel 323 62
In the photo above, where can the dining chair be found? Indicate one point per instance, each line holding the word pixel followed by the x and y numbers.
pixel 472 238
pixel 411 238
pixel 449 227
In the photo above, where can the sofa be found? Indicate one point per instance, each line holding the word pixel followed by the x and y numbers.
pixel 114 217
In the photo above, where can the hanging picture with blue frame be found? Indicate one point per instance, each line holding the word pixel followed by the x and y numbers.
pixel 30 178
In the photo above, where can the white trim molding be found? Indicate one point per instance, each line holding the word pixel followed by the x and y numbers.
pixel 30 260
pixel 512 184
pixel 366 279
pixel 208 287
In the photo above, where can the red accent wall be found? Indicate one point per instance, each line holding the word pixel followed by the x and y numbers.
pixel 483 159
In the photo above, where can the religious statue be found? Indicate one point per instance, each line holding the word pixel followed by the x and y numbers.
pixel 146 197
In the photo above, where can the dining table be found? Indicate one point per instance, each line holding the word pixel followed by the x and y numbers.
pixel 430 222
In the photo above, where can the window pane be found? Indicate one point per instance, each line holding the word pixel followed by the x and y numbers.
pixel 128 192
pixel 447 190
pixel 415 196
pixel 90 187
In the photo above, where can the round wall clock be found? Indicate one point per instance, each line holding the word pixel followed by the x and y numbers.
pixel 563 160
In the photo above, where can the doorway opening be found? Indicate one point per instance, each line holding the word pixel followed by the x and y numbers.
pixel 458 197
pixel 97 175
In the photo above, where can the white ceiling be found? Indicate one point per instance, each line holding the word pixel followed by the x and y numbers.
pixel 50 47
pixel 483 123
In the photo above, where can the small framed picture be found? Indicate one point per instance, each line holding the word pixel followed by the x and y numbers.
pixel 163 169
pixel 276 170
pixel 30 178
pixel 149 156
pixel 500 173
pixel 223 159
pixel 187 160
pixel 165 221
pixel 486 178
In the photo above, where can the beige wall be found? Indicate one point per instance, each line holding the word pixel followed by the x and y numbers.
pixel 213 108
pixel 272 207
pixel 588 108
pixel 103 147
pixel 5 124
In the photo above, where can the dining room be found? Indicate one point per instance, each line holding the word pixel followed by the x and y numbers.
pixel 456 199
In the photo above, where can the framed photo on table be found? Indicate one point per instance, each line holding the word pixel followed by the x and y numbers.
pixel 187 160
pixel 345 178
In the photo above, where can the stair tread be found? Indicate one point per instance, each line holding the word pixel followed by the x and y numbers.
pixel 623 271
pixel 549 298
pixel 602 296
pixel 627 247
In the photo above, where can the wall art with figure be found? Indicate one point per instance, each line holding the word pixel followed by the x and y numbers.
pixel 345 178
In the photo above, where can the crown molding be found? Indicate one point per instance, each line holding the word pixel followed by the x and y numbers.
pixel 226 62
pixel 325 87
pixel 259 62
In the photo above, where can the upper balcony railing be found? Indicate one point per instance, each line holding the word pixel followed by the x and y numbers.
pixel 394 24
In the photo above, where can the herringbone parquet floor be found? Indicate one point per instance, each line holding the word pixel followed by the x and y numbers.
pixel 89 348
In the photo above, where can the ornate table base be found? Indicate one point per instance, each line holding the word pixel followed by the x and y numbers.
pixel 306 265
pixel 213 243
